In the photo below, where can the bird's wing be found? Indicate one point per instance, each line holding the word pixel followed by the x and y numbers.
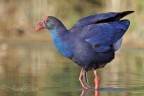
pixel 102 36
pixel 101 18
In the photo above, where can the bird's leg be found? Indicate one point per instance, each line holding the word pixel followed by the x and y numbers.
pixel 83 79
pixel 86 77
pixel 96 80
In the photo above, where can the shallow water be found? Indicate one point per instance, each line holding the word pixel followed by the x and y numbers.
pixel 36 69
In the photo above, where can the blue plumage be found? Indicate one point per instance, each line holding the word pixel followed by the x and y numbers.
pixel 61 46
pixel 106 34
pixel 103 17
pixel 92 41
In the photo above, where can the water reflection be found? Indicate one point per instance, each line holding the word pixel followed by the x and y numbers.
pixel 86 92
pixel 36 69
pixel 112 90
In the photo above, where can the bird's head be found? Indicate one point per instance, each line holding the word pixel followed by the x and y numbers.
pixel 48 22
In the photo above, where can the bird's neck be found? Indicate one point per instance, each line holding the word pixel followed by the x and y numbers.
pixel 57 26
pixel 58 30
pixel 57 34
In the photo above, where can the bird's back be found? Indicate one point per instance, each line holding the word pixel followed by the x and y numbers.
pixel 96 37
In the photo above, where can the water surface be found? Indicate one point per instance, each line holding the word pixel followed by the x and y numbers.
pixel 36 69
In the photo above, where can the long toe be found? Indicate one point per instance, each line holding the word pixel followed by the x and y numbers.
pixel 87 85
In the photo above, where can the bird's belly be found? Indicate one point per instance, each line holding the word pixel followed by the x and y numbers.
pixel 93 60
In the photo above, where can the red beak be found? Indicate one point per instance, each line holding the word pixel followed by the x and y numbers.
pixel 40 26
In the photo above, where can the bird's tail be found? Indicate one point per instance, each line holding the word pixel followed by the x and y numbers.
pixel 123 14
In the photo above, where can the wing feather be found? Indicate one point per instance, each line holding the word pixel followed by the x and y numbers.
pixel 101 18
pixel 105 34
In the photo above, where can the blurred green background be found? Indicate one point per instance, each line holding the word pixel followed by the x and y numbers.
pixel 19 17
pixel 30 65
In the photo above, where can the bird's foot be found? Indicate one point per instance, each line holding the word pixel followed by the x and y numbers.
pixel 84 84
pixel 83 79
pixel 87 85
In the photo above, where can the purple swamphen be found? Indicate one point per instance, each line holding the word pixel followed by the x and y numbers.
pixel 91 42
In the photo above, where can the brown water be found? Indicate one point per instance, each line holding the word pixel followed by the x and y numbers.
pixel 36 69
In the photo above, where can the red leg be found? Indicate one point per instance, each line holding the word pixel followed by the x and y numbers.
pixel 80 79
pixel 96 80
pixel 83 79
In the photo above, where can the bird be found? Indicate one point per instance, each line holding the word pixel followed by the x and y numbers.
pixel 91 42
